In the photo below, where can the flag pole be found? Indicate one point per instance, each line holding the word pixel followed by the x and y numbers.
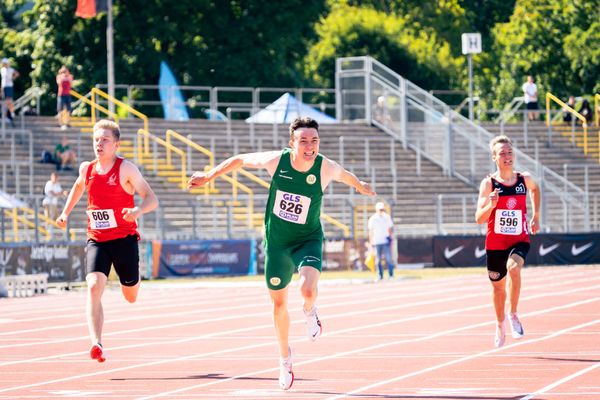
pixel 110 60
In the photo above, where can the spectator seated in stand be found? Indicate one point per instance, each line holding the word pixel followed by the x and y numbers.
pixel 64 155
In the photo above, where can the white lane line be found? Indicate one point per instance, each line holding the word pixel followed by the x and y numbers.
pixel 561 381
pixel 331 316
pixel 139 308
pixel 379 346
pixel 361 301
pixel 467 358
pixel 199 356
pixel 233 317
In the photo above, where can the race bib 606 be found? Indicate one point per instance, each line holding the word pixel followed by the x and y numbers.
pixel 102 219
pixel 291 207
pixel 508 222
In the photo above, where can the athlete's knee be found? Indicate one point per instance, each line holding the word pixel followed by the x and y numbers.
pixel 130 293
pixel 514 267
pixel 95 285
pixel 499 287
pixel 131 298
pixel 308 291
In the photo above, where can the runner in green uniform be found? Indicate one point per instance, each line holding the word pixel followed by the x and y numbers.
pixel 293 232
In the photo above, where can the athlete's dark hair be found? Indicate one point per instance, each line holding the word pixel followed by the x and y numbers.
pixel 108 125
pixel 302 122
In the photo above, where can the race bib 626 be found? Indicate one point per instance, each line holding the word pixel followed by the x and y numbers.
pixel 291 207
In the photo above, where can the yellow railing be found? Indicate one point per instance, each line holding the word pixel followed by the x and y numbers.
pixel 597 109
pixel 93 106
pixel 236 184
pixel 143 134
pixel 211 157
pixel 23 220
pixel 552 98
pixel 144 118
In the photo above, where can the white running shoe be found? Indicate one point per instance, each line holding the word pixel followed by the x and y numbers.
pixel 313 325
pixel 515 326
pixel 286 376
pixel 500 337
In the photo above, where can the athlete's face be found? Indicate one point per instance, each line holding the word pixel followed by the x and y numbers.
pixel 503 155
pixel 305 143
pixel 105 143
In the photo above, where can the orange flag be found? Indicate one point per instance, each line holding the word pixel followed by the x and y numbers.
pixel 86 8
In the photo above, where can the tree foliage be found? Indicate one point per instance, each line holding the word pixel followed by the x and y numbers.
pixel 258 43
pixel 412 50
pixel 554 40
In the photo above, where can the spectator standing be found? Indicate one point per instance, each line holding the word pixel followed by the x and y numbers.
pixel 53 192
pixel 64 80
pixel 8 75
pixel 530 93
pixel 586 111
pixel 64 155
pixel 380 237
pixel 567 115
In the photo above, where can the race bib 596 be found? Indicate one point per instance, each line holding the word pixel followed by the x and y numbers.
pixel 508 222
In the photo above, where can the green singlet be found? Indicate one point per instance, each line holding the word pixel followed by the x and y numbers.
pixel 293 232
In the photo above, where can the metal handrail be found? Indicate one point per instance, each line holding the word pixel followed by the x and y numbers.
pixel 597 109
pixel 148 136
pixel 211 157
pixel 552 98
pixel 33 92
pixel 143 117
pixel 510 109
pixel 93 105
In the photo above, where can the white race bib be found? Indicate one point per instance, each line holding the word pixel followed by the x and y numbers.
pixel 291 207
pixel 102 219
pixel 508 222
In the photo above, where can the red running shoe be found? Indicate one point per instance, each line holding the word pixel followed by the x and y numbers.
pixel 97 353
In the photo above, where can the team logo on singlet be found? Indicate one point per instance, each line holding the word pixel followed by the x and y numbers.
pixel 112 181
pixel 520 188
pixel 311 179
pixel 511 203
pixel 275 281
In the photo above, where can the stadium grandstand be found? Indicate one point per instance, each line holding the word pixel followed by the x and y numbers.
pixel 423 158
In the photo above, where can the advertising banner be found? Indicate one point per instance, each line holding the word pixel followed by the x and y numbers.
pixel 63 262
pixel 546 249
pixel 203 258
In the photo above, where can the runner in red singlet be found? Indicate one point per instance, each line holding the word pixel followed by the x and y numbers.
pixel 503 205
pixel 111 183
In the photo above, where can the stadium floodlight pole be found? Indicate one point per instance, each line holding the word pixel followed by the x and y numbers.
pixel 110 59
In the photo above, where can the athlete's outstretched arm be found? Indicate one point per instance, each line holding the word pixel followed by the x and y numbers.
pixel 74 195
pixel 536 200
pixel 488 200
pixel 331 170
pixel 266 159
pixel 134 177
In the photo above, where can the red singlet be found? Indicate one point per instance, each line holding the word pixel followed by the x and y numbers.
pixel 106 200
pixel 507 224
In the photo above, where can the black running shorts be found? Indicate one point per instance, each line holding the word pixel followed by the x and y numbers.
pixel 122 253
pixel 497 259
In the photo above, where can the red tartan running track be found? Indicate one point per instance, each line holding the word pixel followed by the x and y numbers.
pixel 406 339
